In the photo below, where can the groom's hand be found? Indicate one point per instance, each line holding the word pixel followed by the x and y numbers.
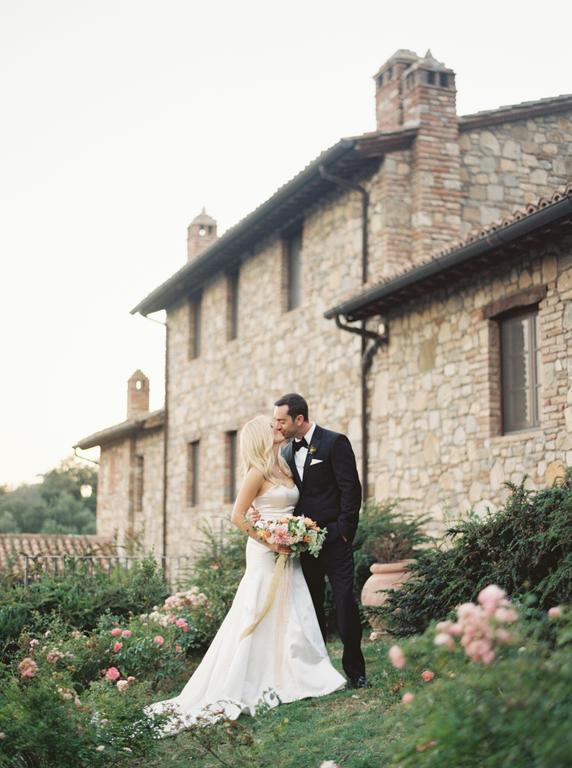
pixel 253 515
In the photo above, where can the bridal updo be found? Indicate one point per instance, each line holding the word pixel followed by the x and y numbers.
pixel 256 448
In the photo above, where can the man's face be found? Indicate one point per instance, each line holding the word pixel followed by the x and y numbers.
pixel 284 423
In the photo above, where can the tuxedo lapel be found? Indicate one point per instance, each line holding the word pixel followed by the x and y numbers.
pixel 288 454
pixel 312 450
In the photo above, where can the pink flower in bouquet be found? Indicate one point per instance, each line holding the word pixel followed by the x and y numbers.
pixel 427 675
pixel 281 536
pixel 113 674
pixel 122 685
pixel 117 647
pixel 126 633
pixel 131 679
pixel 34 643
pixel 27 667
pixel 407 697
pixel 397 657
pixel 553 613
pixel 159 640
pixel 179 648
pixel 116 631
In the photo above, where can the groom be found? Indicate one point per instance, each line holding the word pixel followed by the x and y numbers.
pixel 324 469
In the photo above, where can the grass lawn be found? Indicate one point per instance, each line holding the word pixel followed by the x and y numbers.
pixel 348 727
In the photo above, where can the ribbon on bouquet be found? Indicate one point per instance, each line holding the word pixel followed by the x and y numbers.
pixel 278 570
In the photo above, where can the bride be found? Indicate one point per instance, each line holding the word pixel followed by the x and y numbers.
pixel 261 653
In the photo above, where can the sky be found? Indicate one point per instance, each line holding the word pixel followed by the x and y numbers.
pixel 121 119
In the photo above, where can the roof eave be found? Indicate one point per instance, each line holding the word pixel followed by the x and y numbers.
pixel 357 308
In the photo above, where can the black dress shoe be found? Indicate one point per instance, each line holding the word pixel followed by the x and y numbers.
pixel 358 682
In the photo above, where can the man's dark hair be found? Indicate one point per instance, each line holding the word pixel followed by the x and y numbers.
pixel 297 406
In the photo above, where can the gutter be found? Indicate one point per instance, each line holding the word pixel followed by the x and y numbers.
pixel 367 353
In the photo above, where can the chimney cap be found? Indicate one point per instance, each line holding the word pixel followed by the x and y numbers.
pixel 403 55
pixel 203 218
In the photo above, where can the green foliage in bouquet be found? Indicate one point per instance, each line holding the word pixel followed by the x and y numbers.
pixel 525 547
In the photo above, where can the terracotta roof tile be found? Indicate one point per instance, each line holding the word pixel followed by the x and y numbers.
pixel 13 547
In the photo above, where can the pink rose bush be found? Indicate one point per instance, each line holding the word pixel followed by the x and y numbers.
pixel 481 626
pixel 397 657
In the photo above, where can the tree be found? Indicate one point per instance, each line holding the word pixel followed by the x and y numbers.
pixel 64 502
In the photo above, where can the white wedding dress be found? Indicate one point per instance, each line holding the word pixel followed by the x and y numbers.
pixel 284 659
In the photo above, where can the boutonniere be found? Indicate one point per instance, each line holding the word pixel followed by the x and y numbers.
pixel 313 450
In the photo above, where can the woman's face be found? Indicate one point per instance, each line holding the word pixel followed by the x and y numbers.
pixel 277 435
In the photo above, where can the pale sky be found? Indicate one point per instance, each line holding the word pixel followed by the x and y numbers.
pixel 120 119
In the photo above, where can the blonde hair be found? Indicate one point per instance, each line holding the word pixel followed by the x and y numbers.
pixel 256 449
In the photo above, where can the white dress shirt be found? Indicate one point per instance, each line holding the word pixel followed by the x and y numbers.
pixel 301 454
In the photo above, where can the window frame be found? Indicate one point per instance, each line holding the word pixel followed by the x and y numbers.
pixel 534 365
pixel 293 246
pixel 193 469
pixel 195 326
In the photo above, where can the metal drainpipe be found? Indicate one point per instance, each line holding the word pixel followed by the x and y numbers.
pixel 165 439
pixel 366 357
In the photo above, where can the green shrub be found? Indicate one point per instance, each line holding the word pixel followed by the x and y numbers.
pixel 79 597
pixel 525 547
pixel 513 712
pixel 45 724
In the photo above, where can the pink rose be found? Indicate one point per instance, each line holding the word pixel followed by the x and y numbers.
pixel 427 675
pixel 182 624
pixel 397 657
pixel 34 642
pixel 27 667
pixel 178 648
pixel 407 698
pixel 117 647
pixel 506 615
pixel 113 673
pixel 491 598
pixel 126 633
pixel 442 638
pixel 122 686
pixel 116 632
pixel 131 679
pixel 553 613
pixel 158 640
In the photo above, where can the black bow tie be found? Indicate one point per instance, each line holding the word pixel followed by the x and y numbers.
pixel 299 444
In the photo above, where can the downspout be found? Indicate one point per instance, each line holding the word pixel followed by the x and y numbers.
pixel 165 441
pixel 366 353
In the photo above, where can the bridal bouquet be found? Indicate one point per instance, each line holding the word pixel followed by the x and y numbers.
pixel 300 534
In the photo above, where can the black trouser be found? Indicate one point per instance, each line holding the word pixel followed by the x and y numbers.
pixel 336 561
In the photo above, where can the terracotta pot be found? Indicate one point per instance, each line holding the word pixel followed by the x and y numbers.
pixel 384 576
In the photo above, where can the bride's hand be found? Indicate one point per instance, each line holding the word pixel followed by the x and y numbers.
pixel 280 549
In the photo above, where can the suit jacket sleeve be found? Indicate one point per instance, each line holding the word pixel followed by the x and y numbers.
pixel 347 480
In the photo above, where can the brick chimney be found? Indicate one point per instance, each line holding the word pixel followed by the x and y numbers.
pixel 137 395
pixel 388 90
pixel 420 92
pixel 201 233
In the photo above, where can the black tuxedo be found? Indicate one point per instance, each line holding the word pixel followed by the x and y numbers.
pixel 330 494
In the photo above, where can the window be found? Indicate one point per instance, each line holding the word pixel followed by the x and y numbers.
pixel 443 79
pixel 230 453
pixel 193 473
pixel 232 306
pixel 138 484
pixel 292 270
pixel 195 327
pixel 520 371
pixel 431 78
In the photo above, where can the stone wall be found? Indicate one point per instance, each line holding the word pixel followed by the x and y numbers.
pixel 116 511
pixel 505 167
pixel 436 442
pixel 275 352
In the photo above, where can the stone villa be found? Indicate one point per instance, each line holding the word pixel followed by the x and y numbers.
pixel 414 283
